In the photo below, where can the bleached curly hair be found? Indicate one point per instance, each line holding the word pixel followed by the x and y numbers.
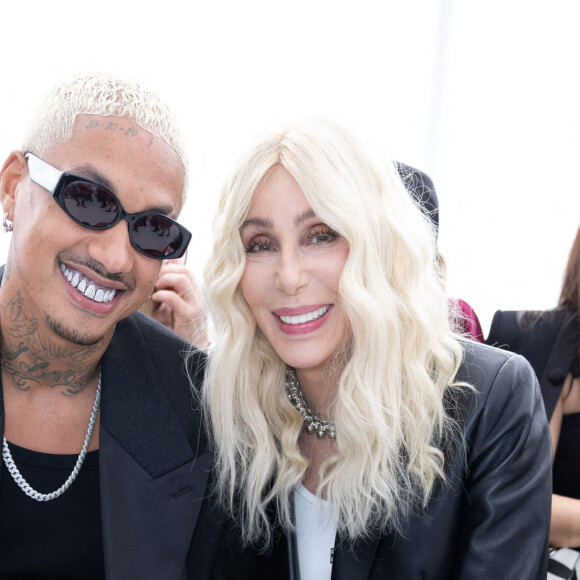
pixel 402 358
pixel 106 95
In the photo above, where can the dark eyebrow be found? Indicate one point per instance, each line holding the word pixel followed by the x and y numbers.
pixel 257 222
pixel 300 219
pixel 265 223
pixel 89 172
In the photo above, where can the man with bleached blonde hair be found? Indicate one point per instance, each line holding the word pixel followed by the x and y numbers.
pixel 104 459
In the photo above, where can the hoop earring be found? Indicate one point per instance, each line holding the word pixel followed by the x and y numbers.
pixel 6 223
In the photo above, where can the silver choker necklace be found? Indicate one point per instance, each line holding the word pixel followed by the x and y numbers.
pixel 23 484
pixel 312 422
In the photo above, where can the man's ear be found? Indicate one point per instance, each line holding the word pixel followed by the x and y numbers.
pixel 11 174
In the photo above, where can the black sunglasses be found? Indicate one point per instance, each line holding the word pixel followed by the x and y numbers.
pixel 93 206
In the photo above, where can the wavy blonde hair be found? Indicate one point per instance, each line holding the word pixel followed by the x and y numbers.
pixel 400 359
pixel 105 95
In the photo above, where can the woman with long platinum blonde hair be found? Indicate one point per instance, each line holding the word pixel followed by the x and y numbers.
pixel 355 435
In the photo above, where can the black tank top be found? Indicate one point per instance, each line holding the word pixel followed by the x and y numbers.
pixel 58 539
pixel 566 470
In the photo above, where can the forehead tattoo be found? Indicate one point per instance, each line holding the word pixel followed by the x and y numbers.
pixel 121 126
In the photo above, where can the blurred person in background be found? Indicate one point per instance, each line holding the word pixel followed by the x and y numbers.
pixel 176 302
pixel 550 340
pixel 420 185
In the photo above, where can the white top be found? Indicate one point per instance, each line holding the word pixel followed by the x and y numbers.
pixel 315 534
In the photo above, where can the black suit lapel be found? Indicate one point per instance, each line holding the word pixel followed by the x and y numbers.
pixel 354 561
pixel 147 523
pixel 151 484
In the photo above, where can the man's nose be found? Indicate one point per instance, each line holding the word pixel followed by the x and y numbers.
pixel 113 249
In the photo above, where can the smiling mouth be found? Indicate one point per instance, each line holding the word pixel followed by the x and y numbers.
pixel 302 318
pixel 86 287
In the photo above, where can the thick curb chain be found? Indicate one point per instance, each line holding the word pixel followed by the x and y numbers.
pixel 24 485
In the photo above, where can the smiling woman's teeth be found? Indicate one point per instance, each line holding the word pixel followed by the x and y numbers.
pixel 302 318
pixel 86 287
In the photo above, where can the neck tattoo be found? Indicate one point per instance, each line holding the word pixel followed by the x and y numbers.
pixel 312 422
pixel 23 484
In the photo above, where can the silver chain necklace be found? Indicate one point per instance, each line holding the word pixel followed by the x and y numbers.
pixel 312 422
pixel 23 484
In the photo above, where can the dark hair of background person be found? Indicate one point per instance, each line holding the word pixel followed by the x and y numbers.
pixel 569 295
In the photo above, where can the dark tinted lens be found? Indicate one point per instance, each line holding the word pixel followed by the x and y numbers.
pixel 90 204
pixel 156 235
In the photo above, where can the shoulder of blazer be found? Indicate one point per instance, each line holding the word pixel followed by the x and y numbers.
pixel 548 340
pixel 488 369
pixel 483 368
pixel 148 403
pixel 523 329
pixel 180 366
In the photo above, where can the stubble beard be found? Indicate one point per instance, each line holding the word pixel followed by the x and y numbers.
pixel 70 335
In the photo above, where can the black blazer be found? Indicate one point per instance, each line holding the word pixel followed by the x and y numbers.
pixel 548 340
pixel 489 520
pixel 153 455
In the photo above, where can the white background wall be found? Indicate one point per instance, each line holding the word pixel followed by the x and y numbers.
pixel 484 97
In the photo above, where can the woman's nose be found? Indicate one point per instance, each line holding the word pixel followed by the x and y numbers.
pixel 292 274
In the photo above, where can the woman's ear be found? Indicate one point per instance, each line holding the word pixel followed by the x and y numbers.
pixel 10 176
